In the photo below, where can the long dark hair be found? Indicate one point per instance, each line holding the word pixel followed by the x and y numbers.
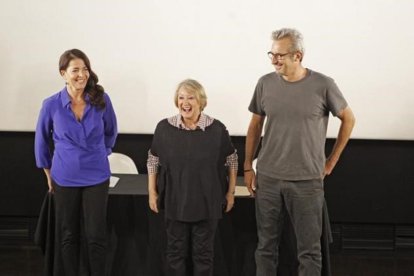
pixel 93 89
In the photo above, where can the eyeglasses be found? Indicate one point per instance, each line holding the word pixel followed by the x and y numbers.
pixel 277 55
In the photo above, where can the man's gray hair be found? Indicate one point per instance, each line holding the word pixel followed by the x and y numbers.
pixel 294 35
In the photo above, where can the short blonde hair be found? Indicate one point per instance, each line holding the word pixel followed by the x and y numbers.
pixel 195 88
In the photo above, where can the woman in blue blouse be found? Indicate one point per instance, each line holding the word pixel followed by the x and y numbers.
pixel 82 124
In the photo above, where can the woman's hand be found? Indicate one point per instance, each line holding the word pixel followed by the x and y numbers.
pixel 152 192
pixel 50 185
pixel 230 201
pixel 49 180
pixel 153 198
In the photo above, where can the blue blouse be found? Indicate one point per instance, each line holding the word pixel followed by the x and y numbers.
pixel 81 148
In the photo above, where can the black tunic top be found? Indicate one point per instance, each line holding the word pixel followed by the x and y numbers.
pixel 192 178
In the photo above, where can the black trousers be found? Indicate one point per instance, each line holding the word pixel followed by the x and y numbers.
pixel 195 239
pixel 82 208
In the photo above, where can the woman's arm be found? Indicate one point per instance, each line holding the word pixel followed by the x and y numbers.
pixel 49 180
pixel 232 189
pixel 152 192
pixel 110 125
pixel 152 166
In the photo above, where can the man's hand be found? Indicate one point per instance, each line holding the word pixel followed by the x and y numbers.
pixel 250 181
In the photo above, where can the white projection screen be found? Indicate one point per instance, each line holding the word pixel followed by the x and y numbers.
pixel 141 49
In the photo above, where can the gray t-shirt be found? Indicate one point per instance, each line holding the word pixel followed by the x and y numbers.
pixel 293 146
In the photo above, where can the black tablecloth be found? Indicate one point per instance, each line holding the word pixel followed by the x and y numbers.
pixel 137 239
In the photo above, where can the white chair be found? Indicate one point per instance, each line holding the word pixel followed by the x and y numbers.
pixel 121 163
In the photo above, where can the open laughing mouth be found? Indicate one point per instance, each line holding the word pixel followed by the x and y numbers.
pixel 186 109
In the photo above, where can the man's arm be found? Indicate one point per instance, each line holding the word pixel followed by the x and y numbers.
pixel 252 142
pixel 347 124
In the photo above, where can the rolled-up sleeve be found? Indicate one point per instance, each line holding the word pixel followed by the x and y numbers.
pixel 42 138
pixel 110 125
pixel 152 163
pixel 232 161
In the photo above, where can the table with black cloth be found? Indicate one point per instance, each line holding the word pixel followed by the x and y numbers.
pixel 137 239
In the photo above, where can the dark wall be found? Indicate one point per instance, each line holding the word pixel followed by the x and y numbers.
pixel 373 181
pixel 22 186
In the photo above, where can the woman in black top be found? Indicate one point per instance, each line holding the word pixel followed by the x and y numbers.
pixel 192 169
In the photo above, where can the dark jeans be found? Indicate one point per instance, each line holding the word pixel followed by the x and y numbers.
pixel 303 202
pixel 88 204
pixel 194 237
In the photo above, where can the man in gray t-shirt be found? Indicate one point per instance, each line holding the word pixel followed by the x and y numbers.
pixel 296 102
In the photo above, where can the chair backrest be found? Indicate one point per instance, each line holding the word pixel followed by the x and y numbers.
pixel 121 163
